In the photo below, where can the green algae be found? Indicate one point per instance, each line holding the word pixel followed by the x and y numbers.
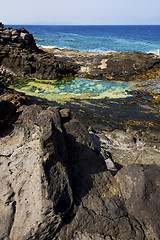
pixel 92 104
pixel 80 88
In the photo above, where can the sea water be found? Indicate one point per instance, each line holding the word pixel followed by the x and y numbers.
pixel 97 38
pixel 78 88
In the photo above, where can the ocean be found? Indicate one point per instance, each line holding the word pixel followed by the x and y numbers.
pixel 97 38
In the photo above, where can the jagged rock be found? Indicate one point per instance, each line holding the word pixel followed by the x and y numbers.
pixel 16 99
pixel 19 36
pixel 125 213
pixel 36 192
pixel 21 57
pixel 118 66
pixel 54 185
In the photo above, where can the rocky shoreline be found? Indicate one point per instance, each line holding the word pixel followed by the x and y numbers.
pixel 20 56
pixel 60 180
pixel 124 66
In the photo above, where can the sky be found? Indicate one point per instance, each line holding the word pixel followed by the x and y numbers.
pixel 82 12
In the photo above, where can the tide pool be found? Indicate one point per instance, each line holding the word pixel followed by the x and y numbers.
pixel 65 89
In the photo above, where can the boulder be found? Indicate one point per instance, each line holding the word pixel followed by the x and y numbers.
pixel 128 210
pixel 35 188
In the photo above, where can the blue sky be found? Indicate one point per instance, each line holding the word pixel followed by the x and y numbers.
pixel 103 12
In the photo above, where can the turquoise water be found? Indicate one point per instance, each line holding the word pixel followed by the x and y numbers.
pixel 98 38
pixel 82 85
pixel 77 88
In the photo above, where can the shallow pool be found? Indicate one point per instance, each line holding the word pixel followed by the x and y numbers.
pixel 72 88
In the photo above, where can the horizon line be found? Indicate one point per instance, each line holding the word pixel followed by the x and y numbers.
pixel 82 24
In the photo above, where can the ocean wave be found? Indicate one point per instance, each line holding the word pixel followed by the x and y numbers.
pixel 95 50
pixel 39 39
pixel 51 47
pixel 98 50
pixel 43 46
pixel 157 52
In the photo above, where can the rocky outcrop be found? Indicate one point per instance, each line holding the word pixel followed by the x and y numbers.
pixel 113 66
pixel 35 190
pixel 19 36
pixel 41 65
pixel 5 79
pixel 120 66
pixel 55 184
pixel 119 214
pixel 20 56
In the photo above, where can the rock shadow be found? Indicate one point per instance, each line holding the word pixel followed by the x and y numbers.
pixel 8 116
pixel 82 164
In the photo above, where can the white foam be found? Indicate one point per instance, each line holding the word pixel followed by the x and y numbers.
pixel 97 50
pixel 157 52
pixel 49 47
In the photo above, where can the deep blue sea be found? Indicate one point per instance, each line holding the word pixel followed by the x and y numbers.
pixel 97 38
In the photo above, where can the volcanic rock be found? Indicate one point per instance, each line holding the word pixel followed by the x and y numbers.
pixel 20 56
pixel 55 185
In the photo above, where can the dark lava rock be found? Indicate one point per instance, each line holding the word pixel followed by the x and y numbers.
pixel 5 80
pixel 129 210
pixel 140 190
pixel 19 36
pixel 7 114
pixel 119 66
pixel 40 65
pixel 21 57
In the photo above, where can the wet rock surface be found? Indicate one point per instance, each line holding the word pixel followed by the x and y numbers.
pixel 55 183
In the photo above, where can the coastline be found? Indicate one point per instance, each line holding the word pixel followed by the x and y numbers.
pixel 23 59
pixel 83 168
